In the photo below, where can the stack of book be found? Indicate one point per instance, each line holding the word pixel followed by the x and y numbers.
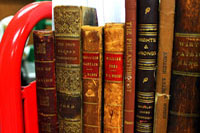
pixel 120 77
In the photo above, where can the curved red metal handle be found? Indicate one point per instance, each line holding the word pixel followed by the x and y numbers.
pixel 11 50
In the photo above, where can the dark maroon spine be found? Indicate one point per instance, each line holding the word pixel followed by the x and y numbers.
pixel 184 111
pixel 45 81
pixel 147 31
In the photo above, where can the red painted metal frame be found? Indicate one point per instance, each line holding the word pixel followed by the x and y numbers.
pixel 11 50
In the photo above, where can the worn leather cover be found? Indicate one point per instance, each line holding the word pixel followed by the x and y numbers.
pixel 130 65
pixel 92 78
pixel 146 64
pixel 166 36
pixel 184 112
pixel 45 81
pixel 68 52
pixel 113 78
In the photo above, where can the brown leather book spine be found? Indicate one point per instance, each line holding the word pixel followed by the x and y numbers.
pixel 130 65
pixel 68 52
pixel 184 112
pixel 45 81
pixel 146 64
pixel 166 36
pixel 113 78
pixel 92 78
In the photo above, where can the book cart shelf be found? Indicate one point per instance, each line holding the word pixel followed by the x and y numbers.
pixel 18 106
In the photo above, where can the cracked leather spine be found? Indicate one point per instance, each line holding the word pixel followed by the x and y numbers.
pixel 113 77
pixel 45 81
pixel 92 40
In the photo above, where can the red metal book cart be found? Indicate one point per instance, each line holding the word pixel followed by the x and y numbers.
pixel 18 106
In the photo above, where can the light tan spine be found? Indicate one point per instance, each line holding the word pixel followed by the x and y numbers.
pixel 166 35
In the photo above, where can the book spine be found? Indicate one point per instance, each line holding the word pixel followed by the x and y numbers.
pixel 184 112
pixel 113 84
pixel 68 52
pixel 130 65
pixel 45 81
pixel 146 64
pixel 68 68
pixel 166 36
pixel 92 79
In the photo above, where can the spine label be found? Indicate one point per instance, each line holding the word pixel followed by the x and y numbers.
pixel 68 50
pixel 113 69
pixel 90 65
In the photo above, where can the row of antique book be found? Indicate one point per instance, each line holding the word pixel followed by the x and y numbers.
pixel 78 82
pixel 96 79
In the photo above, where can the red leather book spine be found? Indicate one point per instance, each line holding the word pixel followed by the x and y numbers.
pixel 184 111
pixel 113 84
pixel 45 81
pixel 130 65
pixel 146 64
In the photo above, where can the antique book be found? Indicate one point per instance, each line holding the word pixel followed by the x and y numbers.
pixel 68 53
pixel 113 77
pixel 92 78
pixel 45 80
pixel 165 45
pixel 147 28
pixel 130 65
pixel 184 111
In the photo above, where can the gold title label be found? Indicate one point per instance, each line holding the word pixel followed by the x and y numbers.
pixel 187 54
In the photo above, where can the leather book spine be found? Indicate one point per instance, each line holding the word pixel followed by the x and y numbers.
pixel 146 64
pixel 92 78
pixel 45 81
pixel 113 77
pixel 68 53
pixel 166 37
pixel 184 112
pixel 130 65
